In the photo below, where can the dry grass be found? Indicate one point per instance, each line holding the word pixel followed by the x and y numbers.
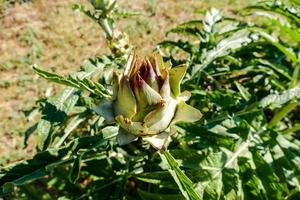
pixel 51 35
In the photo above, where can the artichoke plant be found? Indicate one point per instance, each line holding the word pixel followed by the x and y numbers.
pixel 147 101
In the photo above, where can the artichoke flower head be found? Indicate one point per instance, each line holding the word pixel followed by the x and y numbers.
pixel 147 101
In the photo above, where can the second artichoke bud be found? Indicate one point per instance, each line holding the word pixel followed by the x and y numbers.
pixel 104 5
pixel 147 101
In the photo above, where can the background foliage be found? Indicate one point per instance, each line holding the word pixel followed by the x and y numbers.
pixel 243 74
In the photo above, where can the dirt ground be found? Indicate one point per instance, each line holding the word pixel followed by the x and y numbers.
pixel 53 36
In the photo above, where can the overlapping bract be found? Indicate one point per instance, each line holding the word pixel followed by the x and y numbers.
pixel 147 101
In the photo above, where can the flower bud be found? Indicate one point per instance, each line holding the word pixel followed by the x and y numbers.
pixel 104 5
pixel 147 101
pixel 119 44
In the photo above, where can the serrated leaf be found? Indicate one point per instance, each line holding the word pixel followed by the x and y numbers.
pixel 54 113
pixel 184 183
pixel 212 16
pixel 185 46
pixel 77 81
pixel 269 179
pixel 224 47
pixel 71 126
pixel 276 100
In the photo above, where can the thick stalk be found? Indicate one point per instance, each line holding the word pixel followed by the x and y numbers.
pixel 106 28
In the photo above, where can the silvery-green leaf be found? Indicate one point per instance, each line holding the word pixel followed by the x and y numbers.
pixel 157 141
pixel 159 119
pixel 186 113
pixel 125 103
pixel 176 76
pixel 105 109
pixel 124 137
pixel 135 128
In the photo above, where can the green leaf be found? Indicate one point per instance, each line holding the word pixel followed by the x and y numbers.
pixel 185 46
pixel 75 171
pixel 278 68
pixel 269 179
pixel 212 17
pixel 71 126
pixel 77 81
pixel 274 41
pixel 105 109
pixel 160 178
pixel 54 113
pixel 184 183
pixel 189 28
pixel 56 109
pixel 276 100
pixel 243 91
pixel 237 40
pixel 43 162
pixel 292 13
pixel 155 196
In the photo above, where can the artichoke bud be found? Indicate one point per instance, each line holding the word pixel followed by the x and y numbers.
pixel 119 43
pixel 104 5
pixel 147 101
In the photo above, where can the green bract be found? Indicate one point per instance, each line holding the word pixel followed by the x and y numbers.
pixel 147 101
